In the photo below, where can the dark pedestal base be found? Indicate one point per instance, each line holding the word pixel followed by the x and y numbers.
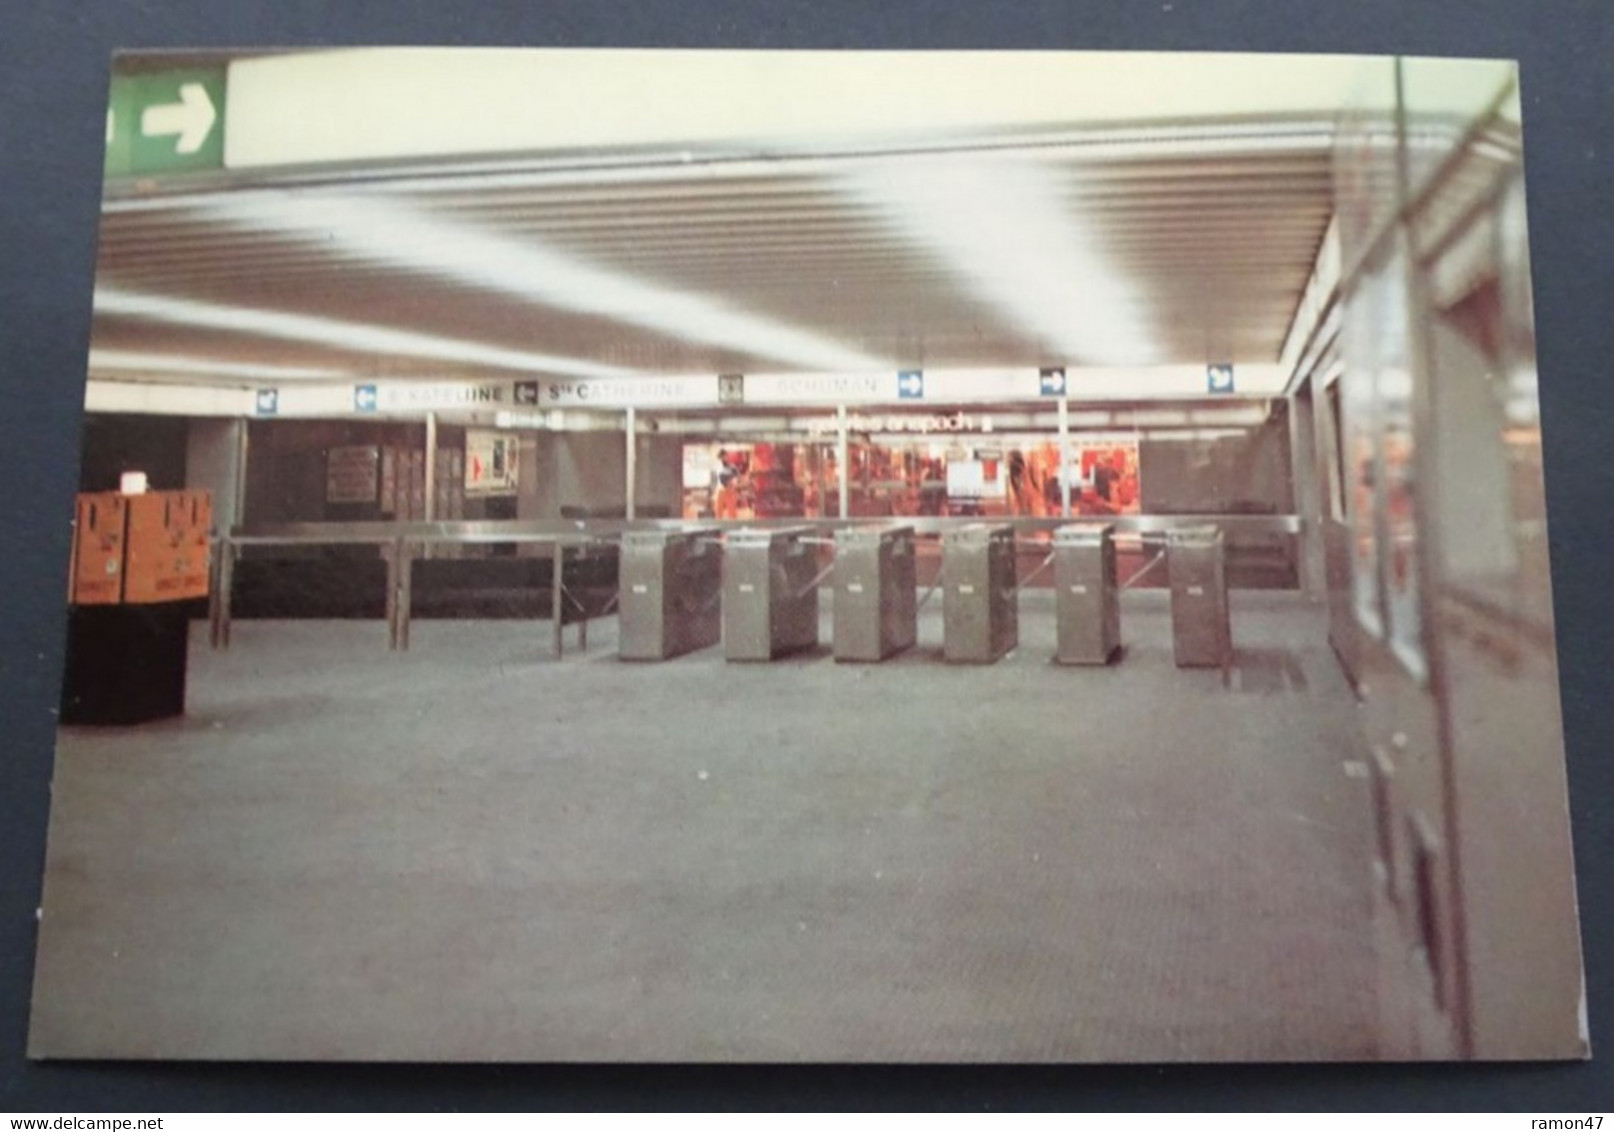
pixel 125 663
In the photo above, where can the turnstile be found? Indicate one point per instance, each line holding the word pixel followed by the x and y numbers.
pixel 1088 605
pixel 770 593
pixel 980 604
pixel 1200 631
pixel 876 604
pixel 671 586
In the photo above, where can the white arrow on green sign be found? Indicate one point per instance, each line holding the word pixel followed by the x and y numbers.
pixel 165 122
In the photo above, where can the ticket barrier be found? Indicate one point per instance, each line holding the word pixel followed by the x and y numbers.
pixel 1088 603
pixel 770 593
pixel 138 564
pixel 1200 628
pixel 671 592
pixel 876 610
pixel 980 603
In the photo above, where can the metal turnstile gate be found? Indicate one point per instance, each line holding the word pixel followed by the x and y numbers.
pixel 980 604
pixel 1088 603
pixel 671 583
pixel 770 593
pixel 1200 630
pixel 876 612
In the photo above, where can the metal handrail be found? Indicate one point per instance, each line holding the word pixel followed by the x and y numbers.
pixel 545 530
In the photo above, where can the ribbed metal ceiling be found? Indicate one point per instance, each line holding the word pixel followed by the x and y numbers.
pixel 1204 238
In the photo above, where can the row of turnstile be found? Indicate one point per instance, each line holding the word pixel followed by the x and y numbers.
pixel 757 591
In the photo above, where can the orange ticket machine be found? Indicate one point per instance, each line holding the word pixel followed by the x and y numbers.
pixel 98 540
pixel 140 564
pixel 167 549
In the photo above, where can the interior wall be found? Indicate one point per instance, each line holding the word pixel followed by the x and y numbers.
pixel 535 477
pixel 113 443
pixel 659 476
pixel 1235 474
pixel 286 467
pixel 590 473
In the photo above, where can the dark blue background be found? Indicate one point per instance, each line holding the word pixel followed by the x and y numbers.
pixel 53 73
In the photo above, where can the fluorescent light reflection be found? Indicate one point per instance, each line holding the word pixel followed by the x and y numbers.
pixel 402 236
pixel 1004 230
pixel 353 336
pixel 125 361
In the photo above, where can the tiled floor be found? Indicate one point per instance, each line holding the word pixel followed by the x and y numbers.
pixel 470 851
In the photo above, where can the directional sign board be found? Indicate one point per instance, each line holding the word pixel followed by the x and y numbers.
pixel 1219 378
pixel 910 385
pixel 268 402
pixel 1051 382
pixel 165 122
pixel 526 393
pixel 364 398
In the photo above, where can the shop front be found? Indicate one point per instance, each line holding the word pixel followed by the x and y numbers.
pixel 949 464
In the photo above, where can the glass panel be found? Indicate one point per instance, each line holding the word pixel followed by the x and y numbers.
pixel 1521 412
pixel 1443 99
pixel 1365 160
pixel 1364 321
pixel 1334 440
pixel 1394 390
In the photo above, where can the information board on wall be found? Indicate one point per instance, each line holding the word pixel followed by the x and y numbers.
pixel 352 474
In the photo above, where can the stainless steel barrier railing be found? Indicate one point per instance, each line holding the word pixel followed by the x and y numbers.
pixel 400 543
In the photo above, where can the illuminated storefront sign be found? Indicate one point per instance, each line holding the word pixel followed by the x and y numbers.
pixel 924 425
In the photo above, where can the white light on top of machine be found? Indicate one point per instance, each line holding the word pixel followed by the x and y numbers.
pixel 165 365
pixel 358 337
pixel 1006 232
pixel 132 483
pixel 412 238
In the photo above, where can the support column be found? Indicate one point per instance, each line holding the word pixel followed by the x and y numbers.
pixel 243 433
pixel 632 461
pixel 215 450
pixel 842 462
pixel 1064 456
pixel 1307 491
pixel 430 512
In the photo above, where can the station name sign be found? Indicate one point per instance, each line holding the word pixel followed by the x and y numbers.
pixel 820 388
pixel 402 396
pixel 622 392
pixel 867 392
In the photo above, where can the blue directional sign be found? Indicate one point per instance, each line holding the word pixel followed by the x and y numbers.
pixel 364 399
pixel 910 385
pixel 268 402
pixel 1219 378
pixel 526 392
pixel 1052 382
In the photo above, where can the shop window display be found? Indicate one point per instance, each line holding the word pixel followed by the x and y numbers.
pixel 1008 477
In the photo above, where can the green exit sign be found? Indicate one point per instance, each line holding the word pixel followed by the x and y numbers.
pixel 165 122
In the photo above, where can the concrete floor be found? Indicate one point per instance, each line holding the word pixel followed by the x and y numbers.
pixel 471 851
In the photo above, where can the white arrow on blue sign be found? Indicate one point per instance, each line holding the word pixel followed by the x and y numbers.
pixel 1053 382
pixel 910 384
pixel 268 402
pixel 526 392
pixel 364 398
pixel 1219 378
